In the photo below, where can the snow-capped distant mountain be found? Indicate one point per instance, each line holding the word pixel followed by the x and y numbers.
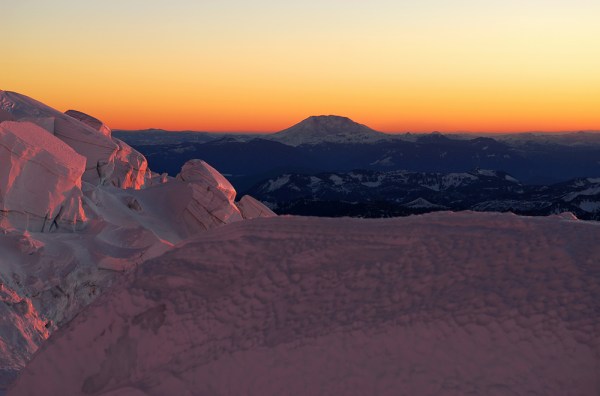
pixel 441 304
pixel 328 129
pixel 383 194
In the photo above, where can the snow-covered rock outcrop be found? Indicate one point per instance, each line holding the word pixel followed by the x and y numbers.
pixel 446 303
pixel 40 179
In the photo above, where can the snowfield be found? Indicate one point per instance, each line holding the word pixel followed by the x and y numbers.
pixel 77 207
pixel 445 303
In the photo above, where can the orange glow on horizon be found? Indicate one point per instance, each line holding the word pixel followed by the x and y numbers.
pixel 502 66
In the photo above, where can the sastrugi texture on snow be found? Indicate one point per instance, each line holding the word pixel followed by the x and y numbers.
pixel 446 303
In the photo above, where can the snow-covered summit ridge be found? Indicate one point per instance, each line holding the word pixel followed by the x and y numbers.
pixel 313 306
pixel 327 128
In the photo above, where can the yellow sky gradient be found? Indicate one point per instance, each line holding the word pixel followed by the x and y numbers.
pixel 236 65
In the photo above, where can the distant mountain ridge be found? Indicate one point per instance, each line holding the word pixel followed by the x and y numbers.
pixel 366 193
pixel 338 144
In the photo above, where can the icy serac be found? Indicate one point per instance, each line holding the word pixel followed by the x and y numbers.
pixel 210 194
pixel 108 160
pixel 130 167
pixel 40 179
pixel 98 149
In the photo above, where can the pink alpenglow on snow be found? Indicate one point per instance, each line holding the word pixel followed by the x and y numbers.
pixel 98 149
pixel 211 193
pixel 440 304
pixel 130 169
pixel 108 160
pixel 130 166
pixel 199 171
pixel 90 121
pixel 40 179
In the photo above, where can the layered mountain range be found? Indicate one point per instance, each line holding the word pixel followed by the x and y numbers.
pixel 332 166
pixel 399 193
pixel 337 144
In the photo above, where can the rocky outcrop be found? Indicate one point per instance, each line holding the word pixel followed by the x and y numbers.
pixel 40 179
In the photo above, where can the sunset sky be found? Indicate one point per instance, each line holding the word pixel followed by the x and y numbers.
pixel 233 65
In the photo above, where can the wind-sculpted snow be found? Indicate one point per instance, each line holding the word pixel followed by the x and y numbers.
pixel 250 208
pixel 40 179
pixel 199 171
pixel 20 340
pixel 97 148
pixel 90 121
pixel 130 168
pixel 209 199
pixel 469 303
pixel 60 273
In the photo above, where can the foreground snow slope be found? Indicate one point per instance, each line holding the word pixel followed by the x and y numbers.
pixel 67 232
pixel 468 303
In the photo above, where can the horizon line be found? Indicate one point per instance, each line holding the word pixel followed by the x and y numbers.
pixel 385 132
